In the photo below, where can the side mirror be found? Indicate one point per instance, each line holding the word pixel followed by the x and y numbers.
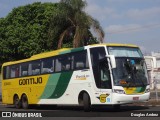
pixel 154 63
pixel 112 60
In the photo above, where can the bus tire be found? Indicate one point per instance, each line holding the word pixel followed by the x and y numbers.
pixel 17 102
pixel 86 102
pixel 24 100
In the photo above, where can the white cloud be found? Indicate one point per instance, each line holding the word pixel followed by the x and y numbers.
pixel 142 14
pixel 111 10
pixel 101 13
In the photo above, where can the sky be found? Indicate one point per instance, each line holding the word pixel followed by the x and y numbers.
pixel 123 21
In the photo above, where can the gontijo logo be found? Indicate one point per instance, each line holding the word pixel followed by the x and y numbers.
pixel 30 81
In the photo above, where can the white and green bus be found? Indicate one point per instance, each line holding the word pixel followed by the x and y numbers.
pixel 101 74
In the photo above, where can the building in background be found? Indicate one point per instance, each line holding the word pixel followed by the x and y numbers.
pixel 153 67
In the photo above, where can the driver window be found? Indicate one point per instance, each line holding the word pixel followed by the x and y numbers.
pixel 105 75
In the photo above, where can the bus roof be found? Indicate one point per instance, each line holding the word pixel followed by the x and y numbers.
pixel 63 51
pixel 38 56
pixel 115 44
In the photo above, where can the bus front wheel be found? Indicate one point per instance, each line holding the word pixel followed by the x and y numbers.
pixel 24 100
pixel 86 102
pixel 17 102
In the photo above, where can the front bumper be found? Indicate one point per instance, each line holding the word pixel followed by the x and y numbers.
pixel 123 98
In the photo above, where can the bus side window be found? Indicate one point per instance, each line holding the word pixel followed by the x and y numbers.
pixel 6 72
pixel 58 65
pixel 14 71
pixel 24 69
pixel 104 75
pixel 66 62
pixel 17 71
pixel 80 60
pixel 35 68
pixel 47 65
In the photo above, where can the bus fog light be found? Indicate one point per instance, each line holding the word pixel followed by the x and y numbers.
pixel 119 91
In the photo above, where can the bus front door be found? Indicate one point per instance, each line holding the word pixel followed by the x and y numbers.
pixel 104 82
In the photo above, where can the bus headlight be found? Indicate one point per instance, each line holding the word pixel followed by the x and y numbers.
pixel 147 90
pixel 119 91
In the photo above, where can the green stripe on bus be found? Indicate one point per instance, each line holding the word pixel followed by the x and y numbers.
pixel 50 86
pixel 77 49
pixel 62 85
pixel 72 50
pixel 64 52
pixel 140 89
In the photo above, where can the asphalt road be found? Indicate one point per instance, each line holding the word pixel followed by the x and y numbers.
pixel 101 111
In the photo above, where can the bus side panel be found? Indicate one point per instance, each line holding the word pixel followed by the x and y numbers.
pixel 27 85
pixel 5 96
pixel 77 81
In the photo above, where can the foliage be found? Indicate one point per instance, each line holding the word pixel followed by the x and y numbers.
pixel 39 27
pixel 24 31
pixel 77 23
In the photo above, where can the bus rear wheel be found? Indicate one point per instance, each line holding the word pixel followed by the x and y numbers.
pixel 17 102
pixel 86 102
pixel 24 100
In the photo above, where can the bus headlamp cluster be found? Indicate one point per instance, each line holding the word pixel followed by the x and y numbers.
pixel 119 91
pixel 147 90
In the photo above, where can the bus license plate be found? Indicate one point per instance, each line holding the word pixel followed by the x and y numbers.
pixel 135 98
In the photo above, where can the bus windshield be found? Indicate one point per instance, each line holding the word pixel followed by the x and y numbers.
pixel 130 72
pixel 125 52
pixel 130 67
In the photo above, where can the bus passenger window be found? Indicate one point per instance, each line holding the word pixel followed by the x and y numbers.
pixel 6 72
pixel 17 72
pixel 82 61
pixel 36 68
pixel 66 62
pixel 14 71
pixel 24 69
pixel 68 66
pixel 79 65
pixel 58 65
pixel 47 66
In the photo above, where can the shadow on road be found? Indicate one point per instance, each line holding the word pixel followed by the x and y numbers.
pixel 78 108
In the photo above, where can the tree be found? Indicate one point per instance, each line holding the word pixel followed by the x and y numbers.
pixel 76 23
pixel 39 27
pixel 24 31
